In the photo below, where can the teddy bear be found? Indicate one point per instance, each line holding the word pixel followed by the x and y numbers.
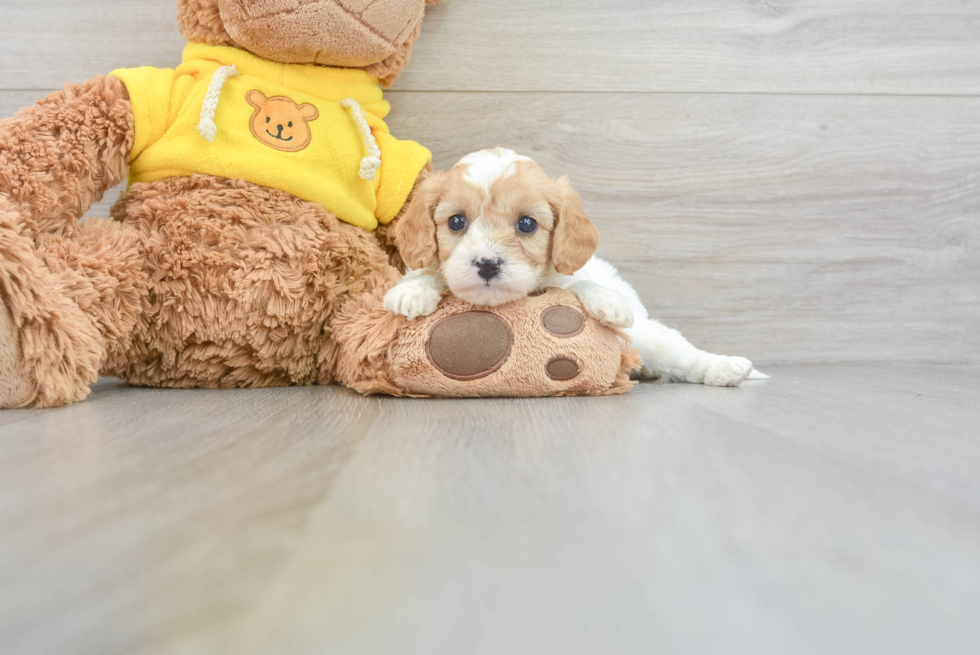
pixel 252 245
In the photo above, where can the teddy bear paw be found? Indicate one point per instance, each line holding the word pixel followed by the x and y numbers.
pixel 727 371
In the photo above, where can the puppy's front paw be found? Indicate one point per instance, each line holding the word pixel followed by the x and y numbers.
pixel 727 371
pixel 607 306
pixel 412 300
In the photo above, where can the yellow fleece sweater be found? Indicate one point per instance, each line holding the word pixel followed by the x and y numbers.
pixel 292 127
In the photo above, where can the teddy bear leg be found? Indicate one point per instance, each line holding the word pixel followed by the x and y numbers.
pixel 67 304
pixel 51 349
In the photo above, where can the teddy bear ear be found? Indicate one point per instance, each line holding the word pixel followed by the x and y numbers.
pixel 257 99
pixel 388 70
pixel 200 22
pixel 309 112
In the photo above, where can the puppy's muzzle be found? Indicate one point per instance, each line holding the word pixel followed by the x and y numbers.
pixel 488 268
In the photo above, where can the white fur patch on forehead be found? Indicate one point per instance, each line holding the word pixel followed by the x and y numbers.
pixel 487 166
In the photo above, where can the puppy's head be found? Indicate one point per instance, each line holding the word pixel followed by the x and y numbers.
pixel 494 225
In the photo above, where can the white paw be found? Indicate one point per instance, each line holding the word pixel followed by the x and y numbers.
pixel 607 306
pixel 727 371
pixel 412 300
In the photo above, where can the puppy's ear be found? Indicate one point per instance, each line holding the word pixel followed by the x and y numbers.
pixel 415 231
pixel 575 238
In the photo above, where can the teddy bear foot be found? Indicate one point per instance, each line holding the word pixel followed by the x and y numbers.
pixel 545 345
pixel 17 389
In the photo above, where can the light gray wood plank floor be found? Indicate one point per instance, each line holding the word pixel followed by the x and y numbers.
pixel 830 509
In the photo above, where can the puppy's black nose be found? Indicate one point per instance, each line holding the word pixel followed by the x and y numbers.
pixel 489 268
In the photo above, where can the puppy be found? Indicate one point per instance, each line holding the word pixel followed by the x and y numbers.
pixel 495 228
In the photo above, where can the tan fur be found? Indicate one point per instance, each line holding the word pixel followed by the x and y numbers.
pixel 565 237
pixel 415 233
pixel 245 282
pixel 17 387
pixel 576 238
pixel 386 233
pixel 65 152
pixel 60 347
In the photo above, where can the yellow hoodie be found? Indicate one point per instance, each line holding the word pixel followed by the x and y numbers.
pixel 312 131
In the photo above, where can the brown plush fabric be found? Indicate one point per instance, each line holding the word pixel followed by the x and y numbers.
pixel 58 345
pixel 378 352
pixel 56 158
pixel 65 152
pixel 243 283
pixel 376 34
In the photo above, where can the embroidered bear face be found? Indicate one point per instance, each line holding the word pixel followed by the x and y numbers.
pixel 280 123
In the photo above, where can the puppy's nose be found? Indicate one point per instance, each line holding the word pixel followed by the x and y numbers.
pixel 489 268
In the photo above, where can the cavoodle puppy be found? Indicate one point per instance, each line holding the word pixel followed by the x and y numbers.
pixel 495 228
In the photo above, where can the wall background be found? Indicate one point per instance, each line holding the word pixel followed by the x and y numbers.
pixel 794 181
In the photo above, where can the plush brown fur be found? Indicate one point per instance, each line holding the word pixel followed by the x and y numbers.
pixel 65 152
pixel 202 281
pixel 245 281
pixel 56 158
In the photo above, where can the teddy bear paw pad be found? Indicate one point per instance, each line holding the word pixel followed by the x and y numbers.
pixel 562 368
pixel 469 345
pixel 562 321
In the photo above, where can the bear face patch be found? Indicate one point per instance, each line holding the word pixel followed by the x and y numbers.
pixel 280 123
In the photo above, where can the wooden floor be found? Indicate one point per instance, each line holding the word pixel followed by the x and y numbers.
pixel 832 509
pixel 795 181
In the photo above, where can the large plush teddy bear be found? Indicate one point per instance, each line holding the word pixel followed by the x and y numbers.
pixel 250 248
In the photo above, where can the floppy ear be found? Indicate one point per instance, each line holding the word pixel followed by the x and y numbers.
pixel 309 112
pixel 256 98
pixel 575 238
pixel 415 231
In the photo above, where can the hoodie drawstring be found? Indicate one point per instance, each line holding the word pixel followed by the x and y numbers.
pixel 207 126
pixel 371 163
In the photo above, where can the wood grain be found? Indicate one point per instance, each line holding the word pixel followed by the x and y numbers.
pixel 830 509
pixel 840 228
pixel 786 46
pixel 782 228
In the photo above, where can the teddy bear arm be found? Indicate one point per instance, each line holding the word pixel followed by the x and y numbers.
pixel 62 154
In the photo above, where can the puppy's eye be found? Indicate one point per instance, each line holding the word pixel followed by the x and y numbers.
pixel 290 123
pixel 268 119
pixel 527 225
pixel 457 222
